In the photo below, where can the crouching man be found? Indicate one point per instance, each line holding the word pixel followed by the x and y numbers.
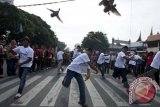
pixel 75 69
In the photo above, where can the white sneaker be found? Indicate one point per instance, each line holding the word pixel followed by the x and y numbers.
pixel 18 95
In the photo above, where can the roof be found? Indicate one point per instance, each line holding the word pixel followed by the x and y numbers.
pixel 153 38
pixel 139 39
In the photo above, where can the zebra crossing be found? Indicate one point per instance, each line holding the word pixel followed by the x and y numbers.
pixel 109 97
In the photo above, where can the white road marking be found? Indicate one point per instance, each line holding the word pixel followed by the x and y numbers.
pixel 95 97
pixel 116 98
pixel 52 96
pixel 12 91
pixel 25 99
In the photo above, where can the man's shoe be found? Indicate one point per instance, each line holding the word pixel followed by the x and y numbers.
pixel 126 85
pixel 83 104
pixel 103 77
pixel 18 95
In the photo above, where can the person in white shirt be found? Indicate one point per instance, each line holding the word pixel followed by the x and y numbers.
pixel 76 52
pixel 75 69
pixel 138 61
pixel 155 68
pixel 107 61
pixel 59 60
pixel 119 69
pixel 100 64
pixel 133 63
pixel 24 64
pixel 113 59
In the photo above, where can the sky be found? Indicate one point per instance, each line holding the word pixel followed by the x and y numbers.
pixel 83 16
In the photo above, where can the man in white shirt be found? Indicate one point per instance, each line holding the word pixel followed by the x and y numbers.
pixel 76 52
pixel 113 59
pixel 100 64
pixel 155 68
pixel 59 60
pixel 24 64
pixel 75 69
pixel 139 61
pixel 107 61
pixel 133 63
pixel 119 69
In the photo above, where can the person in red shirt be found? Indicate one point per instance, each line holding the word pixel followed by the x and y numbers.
pixel 40 54
pixel 35 57
pixel 49 57
pixel 149 60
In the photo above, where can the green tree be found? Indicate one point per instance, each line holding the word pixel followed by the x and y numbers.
pixel 21 24
pixel 61 45
pixel 95 40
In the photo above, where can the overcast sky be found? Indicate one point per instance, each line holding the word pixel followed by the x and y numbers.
pixel 82 16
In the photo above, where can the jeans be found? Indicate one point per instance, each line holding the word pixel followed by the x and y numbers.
pixel 67 80
pixel 22 76
pixel 101 68
pixel 40 63
pixel 106 67
pixel 60 62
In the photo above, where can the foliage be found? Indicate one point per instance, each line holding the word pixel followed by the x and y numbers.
pixel 61 45
pixel 98 42
pixel 21 24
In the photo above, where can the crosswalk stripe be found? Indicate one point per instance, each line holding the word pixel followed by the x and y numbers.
pixel 25 99
pixel 73 95
pixel 8 83
pixel 116 98
pixel 52 96
pixel 119 86
pixel 95 97
pixel 5 78
pixel 12 91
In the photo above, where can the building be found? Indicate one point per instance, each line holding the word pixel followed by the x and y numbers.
pixel 153 42
pixel 117 45
pixel 139 45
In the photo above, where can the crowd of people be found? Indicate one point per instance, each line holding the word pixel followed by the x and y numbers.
pixel 35 58
pixel 42 58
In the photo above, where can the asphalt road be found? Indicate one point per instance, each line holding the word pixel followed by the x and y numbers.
pixel 44 89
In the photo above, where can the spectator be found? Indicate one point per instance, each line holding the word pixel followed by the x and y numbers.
pixel 59 60
pixel 35 57
pixel 49 57
pixel 12 59
pixel 76 52
pixel 149 61
pixel 40 61
pixel 1 60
